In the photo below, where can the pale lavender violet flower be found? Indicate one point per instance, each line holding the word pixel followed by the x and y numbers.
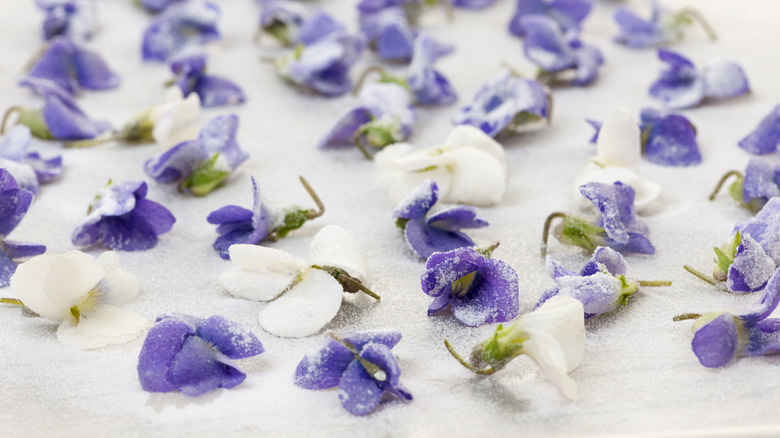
pixel 764 228
pixel 14 203
pixel 760 183
pixel 281 19
pixel 120 217
pixel 28 168
pixel 157 6
pixel 190 354
pixel 751 267
pixel 561 57
pixel 681 85
pixel 371 6
pixel 74 19
pixel 323 66
pixel 506 103
pixel 191 77
pixel 662 27
pixel 318 25
pixel 482 290
pixel 239 225
pixel 390 35
pixel 766 137
pixel 568 13
pixel 202 164
pixel 385 116
pixel 361 364
pixel 438 232
pixel 73 68
pixel 60 118
pixel 180 25
pixel 428 85
pixel 720 337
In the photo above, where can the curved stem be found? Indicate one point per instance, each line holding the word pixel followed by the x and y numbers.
pixel 706 278
pixel 484 372
pixel 654 283
pixel 13 301
pixel 351 284
pixel 92 142
pixel 685 316
pixel 449 10
pixel 492 247
pixel 364 75
pixel 549 107
pixel 696 16
pixel 546 230
pixel 13 109
pixel 358 138
pixel 320 206
pixel 722 181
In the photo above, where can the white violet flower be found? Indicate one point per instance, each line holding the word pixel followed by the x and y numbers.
pixel 176 119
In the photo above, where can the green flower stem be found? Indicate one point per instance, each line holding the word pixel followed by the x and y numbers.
pixel 94 141
pixel 13 109
pixel 364 75
pixel 359 142
pixel 320 206
pixel 723 179
pixel 685 316
pixel 546 230
pixel 695 15
pixel 488 250
pixel 459 358
pixel 654 283
pixel 350 283
pixel 706 278
pixel 13 301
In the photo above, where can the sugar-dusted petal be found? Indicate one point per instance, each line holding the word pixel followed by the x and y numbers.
pixel 455 218
pixel 381 356
pixel 766 137
pixel 104 325
pixel 229 214
pixel 156 216
pixel 70 277
pixel 196 369
pixel 752 267
pixel 28 284
pixel 417 203
pixel 91 70
pixel 618 141
pixel 426 240
pixel 544 44
pixel 680 85
pixel 46 170
pixel 442 269
pixel 764 338
pixel 323 367
pixel 715 343
pixel 724 79
pixel 218 135
pixel 759 184
pixel 428 85
pixel 549 356
pixel 333 246
pixel 616 204
pixel 305 308
pixel 175 120
pixel 764 307
pixel 264 272
pixel 55 64
pixel 549 293
pixel 637 32
pixel 161 345
pixel 230 338
pixel 607 258
pixel 599 293
pixel 215 91
pixel 261 258
pixel 19 250
pixel 478 178
pixel 318 25
pixel 343 132
pixel 7 269
pixel 671 141
pixel 176 163
pixel 765 228
pixel 493 296
pixel 14 204
pixel 181 24
pixel 358 391
pixel 555 269
pixel 388 338
pixel 15 143
pixel 67 122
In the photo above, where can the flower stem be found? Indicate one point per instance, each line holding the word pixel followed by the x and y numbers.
pixel 685 316
pixel 13 301
pixel 320 206
pixel 654 283
pixel 364 75
pixel 484 372
pixel 695 15
pixel 350 283
pixel 546 230
pixel 359 142
pixel 92 142
pixel 722 181
pixel 706 278
pixel 13 109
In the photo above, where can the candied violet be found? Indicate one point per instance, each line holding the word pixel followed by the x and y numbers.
pixel 766 137
pixel 438 232
pixel 157 6
pixel 73 68
pixel 569 14
pixel 361 364
pixel 561 57
pixel 506 103
pixel 191 77
pixel 428 85
pixel 190 354
pixel 720 337
pixel 752 190
pixel 617 216
pixel 122 218
pixel 317 26
pixel 681 85
pixel 662 27
pixel 14 203
pixel 28 168
pixel 74 19
pixel 281 19
pixel 764 228
pixel 202 164
pixel 481 289
pixel 179 26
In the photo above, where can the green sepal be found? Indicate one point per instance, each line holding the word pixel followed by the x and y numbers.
pixel 390 79
pixel 205 178
pixel 627 288
pixel 280 31
pixel 735 190
pixel 292 221
pixel 579 232
pixel 724 260
pixel 34 120
pixel 378 133
pixel 401 223
pixel 140 129
pixel 521 119
pixel 75 312
pixel 644 136
pixel 504 345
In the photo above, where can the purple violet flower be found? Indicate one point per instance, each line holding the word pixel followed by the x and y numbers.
pixel 74 19
pixel 764 228
pixel 157 6
pixel 191 354
pixel 28 168
pixel 766 137
pixel 180 25
pixel 482 290
pixel 601 286
pixel 561 57
pixel 370 6
pixel 385 116
pixel 390 35
pixel 191 77
pixel 506 103
pixel 662 27
pixel 361 364
pixel 323 66
pixel 60 118
pixel 719 337
pixel 617 216
pixel 439 232
pixel 472 4
pixel 14 203
pixel 281 19
pixel 752 190
pixel 751 268
pixel 203 164
pixel 428 85
pixel 681 85
pixel 73 68
pixel 317 26
pixel 568 13
pixel 120 217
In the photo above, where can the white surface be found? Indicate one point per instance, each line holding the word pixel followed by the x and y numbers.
pixel 638 376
